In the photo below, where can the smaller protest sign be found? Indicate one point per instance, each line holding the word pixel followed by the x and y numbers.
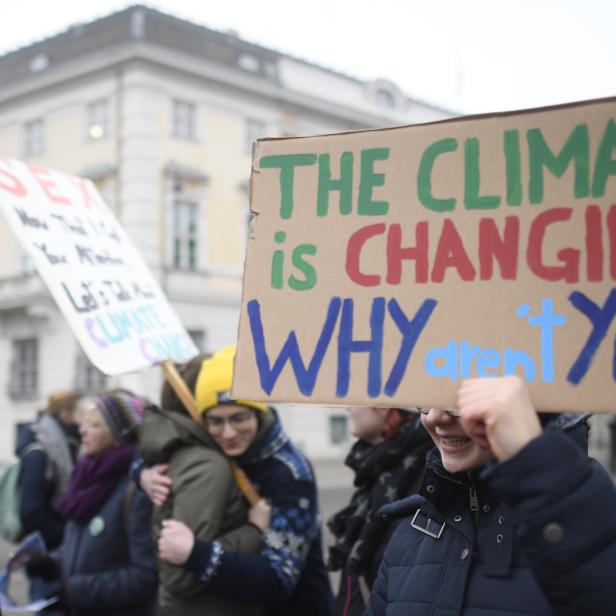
pixel 32 544
pixel 93 270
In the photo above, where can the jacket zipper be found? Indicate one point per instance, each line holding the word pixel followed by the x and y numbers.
pixel 473 498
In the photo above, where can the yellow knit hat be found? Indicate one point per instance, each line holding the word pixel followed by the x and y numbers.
pixel 214 382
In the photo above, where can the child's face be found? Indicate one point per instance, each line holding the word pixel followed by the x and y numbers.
pixel 459 452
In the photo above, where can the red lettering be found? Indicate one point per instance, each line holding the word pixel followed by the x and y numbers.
pixel 48 185
pixel 502 249
pixel 354 248
pixel 395 253
pixel 82 185
pixel 14 186
pixel 450 253
pixel 594 244
pixel 611 227
pixel 570 257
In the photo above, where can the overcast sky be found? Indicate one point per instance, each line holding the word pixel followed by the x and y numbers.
pixel 467 55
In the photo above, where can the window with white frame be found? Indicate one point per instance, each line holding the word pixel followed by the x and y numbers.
pixel 338 429
pixel 97 119
pixel 253 130
pixel 23 380
pixel 249 62
pixel 184 120
pixel 34 137
pixel 185 233
pixel 88 378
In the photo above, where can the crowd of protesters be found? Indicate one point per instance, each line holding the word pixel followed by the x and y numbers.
pixel 484 510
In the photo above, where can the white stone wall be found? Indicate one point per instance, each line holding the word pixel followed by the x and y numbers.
pixel 136 151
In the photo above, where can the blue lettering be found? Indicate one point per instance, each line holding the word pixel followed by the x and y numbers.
pixel 449 358
pixel 489 359
pixel 305 377
pixel 117 337
pixel 514 358
pixel 601 319
pixel 410 330
pixel 467 354
pixel 547 321
pixel 372 346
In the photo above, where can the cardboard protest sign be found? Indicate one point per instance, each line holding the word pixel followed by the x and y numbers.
pixel 386 266
pixel 94 272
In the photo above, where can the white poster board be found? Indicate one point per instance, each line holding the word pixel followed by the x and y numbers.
pixel 99 280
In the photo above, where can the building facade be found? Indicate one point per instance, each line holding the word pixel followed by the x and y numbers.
pixel 161 114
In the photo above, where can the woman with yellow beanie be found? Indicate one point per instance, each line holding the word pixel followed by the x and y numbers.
pixel 202 495
pixel 288 576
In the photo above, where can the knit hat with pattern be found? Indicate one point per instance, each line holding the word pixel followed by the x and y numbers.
pixel 122 412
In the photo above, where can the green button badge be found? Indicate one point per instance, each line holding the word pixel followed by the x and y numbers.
pixel 97 526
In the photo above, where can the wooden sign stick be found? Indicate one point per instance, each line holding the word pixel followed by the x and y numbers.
pixel 184 394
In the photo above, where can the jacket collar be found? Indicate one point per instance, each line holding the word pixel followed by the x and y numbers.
pixel 270 439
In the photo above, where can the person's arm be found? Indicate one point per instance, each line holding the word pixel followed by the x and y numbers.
pixel 564 503
pixel 136 468
pixel 269 578
pixel 130 584
pixel 176 540
pixel 35 510
pixel 153 480
pixel 199 500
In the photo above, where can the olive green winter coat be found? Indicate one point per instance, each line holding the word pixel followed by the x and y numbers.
pixel 205 497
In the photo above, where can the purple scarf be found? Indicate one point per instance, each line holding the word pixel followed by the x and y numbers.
pixel 94 479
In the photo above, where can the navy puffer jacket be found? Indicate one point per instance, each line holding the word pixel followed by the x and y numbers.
pixel 534 535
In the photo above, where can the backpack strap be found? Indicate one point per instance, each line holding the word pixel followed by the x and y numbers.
pixel 33 446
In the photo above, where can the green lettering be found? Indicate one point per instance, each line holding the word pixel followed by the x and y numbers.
pixel 576 148
pixel 472 199
pixel 278 261
pixel 277 265
pixel 287 163
pixel 368 180
pixel 512 166
pixel 424 176
pixel 344 184
pixel 310 274
pixel 605 164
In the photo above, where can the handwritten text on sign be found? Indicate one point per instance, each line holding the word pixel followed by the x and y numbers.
pixel 100 282
pixel 403 260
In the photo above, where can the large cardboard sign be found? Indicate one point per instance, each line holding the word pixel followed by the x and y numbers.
pixel 94 272
pixel 386 266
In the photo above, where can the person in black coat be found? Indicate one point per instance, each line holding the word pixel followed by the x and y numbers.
pixel 106 563
pixel 512 518
pixel 48 449
pixel 388 460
